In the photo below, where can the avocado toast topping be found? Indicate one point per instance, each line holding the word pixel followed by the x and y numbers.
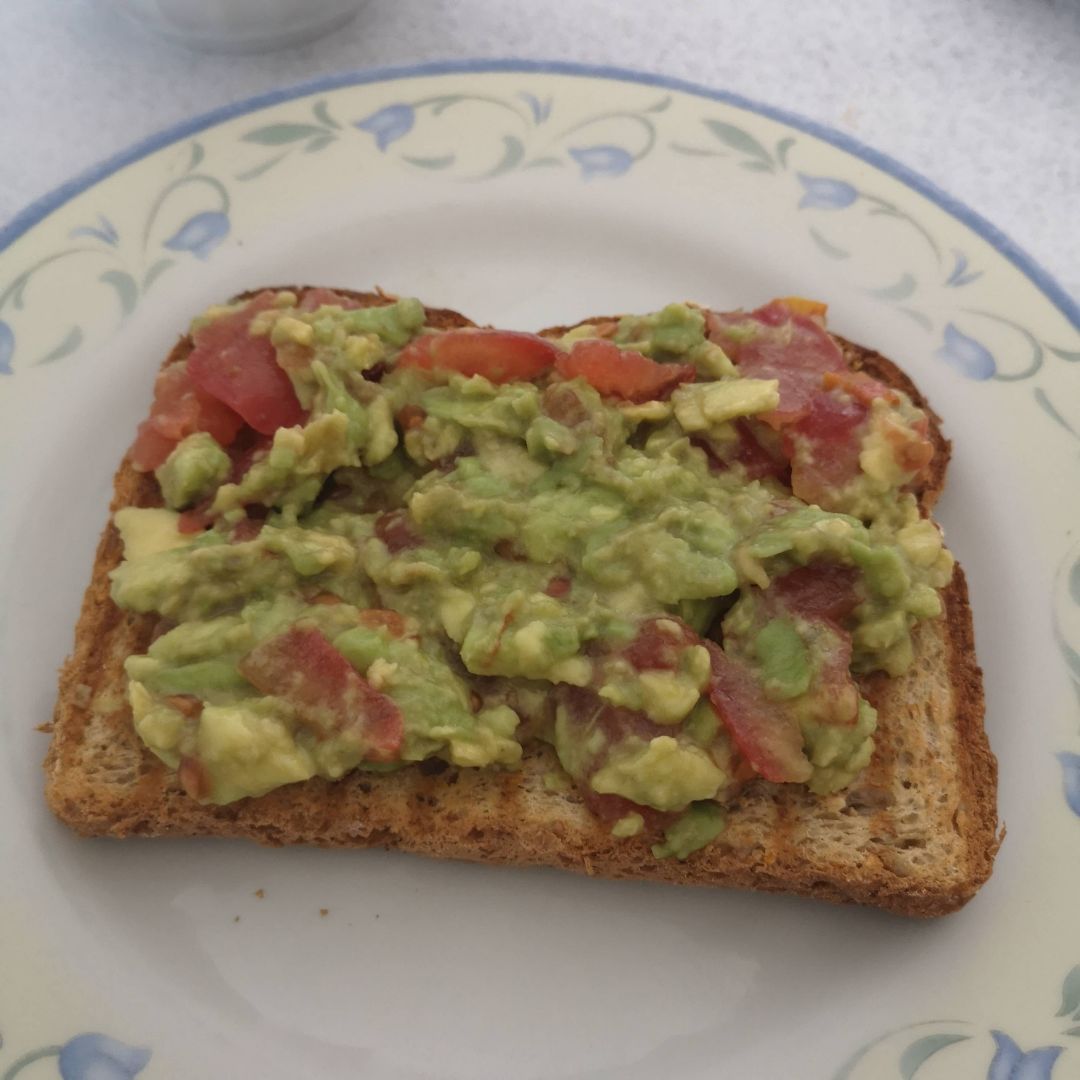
pixel 675 557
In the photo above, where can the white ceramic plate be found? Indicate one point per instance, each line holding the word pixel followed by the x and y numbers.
pixel 528 195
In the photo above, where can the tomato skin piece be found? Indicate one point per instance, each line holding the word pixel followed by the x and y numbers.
pixel 410 417
pixel 180 409
pixel 749 452
pixel 395 530
pixel 499 355
pixel 824 406
pixel 240 370
pixel 764 731
pixel 613 725
pixel 393 622
pixel 195 520
pixel 558 587
pixel 819 590
pixel 786 345
pixel 860 386
pixel 802 306
pixel 329 695
pixel 655 648
pixel 610 808
pixel 621 373
pixel 150 448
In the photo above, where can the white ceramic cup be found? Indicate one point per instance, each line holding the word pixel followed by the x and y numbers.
pixel 241 26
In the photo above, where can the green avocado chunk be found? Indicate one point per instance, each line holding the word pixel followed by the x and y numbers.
pixel 699 826
pixel 193 470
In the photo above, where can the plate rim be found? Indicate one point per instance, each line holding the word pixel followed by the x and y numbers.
pixel 32 214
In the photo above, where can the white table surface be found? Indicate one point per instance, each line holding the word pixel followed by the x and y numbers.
pixel 980 96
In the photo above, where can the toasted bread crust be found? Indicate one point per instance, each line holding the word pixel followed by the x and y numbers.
pixel 916 834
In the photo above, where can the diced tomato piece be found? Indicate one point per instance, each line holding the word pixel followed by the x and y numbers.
pixel 499 355
pixel 411 416
pixel 859 385
pixel 175 412
pixel 395 530
pixel 179 410
pixel 195 520
pixel 593 717
pixel 621 373
pixel 246 529
pixel 313 299
pixel 384 619
pixel 610 808
pixel 558 587
pixel 329 695
pixel 758 461
pixel 241 370
pixel 801 306
pixel 823 405
pixel 510 550
pixel 150 448
pixel 911 447
pixel 832 418
pixel 776 342
pixel 821 590
pixel 561 403
pixel 659 644
pixel 217 419
pixel 766 733
pixel 833 694
pixel 831 437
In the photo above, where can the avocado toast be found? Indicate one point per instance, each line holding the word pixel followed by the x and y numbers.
pixel 651 597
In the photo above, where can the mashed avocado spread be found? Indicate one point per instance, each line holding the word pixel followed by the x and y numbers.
pixel 667 546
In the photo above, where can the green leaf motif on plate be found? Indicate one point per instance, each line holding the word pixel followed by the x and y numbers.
pixel 783 148
pixel 321 112
pixel 444 161
pixel 70 343
pixel 741 141
pixel 127 292
pixel 1043 401
pixel 155 271
pixel 827 247
pixel 921 1050
pixel 899 290
pixel 263 167
pixel 280 134
pixel 1070 995
pixel 319 142
pixel 512 155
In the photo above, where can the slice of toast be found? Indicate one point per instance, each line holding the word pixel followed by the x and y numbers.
pixel 916 833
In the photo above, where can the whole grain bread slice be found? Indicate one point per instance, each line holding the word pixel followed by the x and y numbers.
pixel 916 833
